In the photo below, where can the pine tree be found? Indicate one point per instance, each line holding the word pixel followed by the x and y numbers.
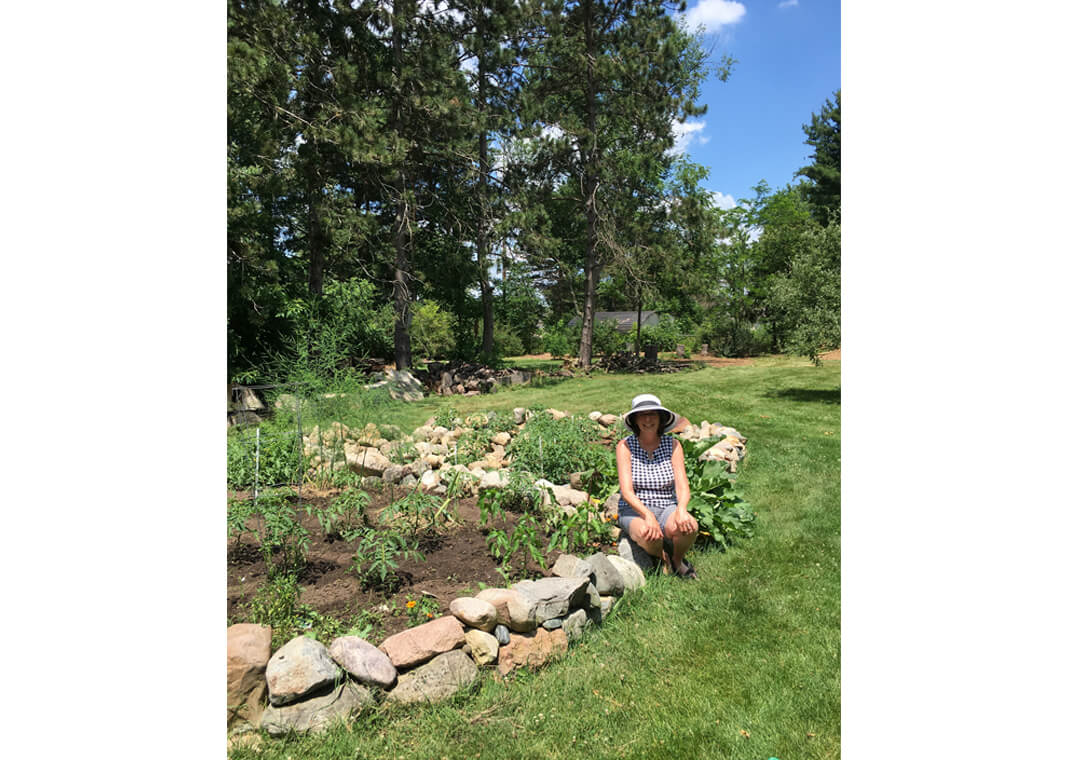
pixel 824 189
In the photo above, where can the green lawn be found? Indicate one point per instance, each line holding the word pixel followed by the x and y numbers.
pixel 744 663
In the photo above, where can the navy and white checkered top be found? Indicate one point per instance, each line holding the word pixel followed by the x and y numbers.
pixel 653 477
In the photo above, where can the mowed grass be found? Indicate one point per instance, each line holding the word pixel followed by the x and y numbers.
pixel 743 663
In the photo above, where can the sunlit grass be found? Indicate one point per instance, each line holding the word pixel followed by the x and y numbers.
pixel 743 663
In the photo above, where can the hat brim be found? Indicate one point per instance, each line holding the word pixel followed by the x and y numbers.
pixel 673 418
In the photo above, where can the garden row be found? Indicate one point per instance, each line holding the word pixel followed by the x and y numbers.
pixel 304 685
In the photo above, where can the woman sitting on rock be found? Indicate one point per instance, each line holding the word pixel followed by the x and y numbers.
pixel 653 487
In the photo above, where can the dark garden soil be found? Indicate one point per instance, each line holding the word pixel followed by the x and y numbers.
pixel 454 565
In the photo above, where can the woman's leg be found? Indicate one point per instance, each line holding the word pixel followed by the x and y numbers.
pixel 681 540
pixel 654 548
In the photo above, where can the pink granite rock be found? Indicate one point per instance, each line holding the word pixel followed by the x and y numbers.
pixel 419 644
pixel 248 648
pixel 366 662
pixel 531 650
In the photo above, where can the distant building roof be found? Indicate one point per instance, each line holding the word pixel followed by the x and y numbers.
pixel 624 319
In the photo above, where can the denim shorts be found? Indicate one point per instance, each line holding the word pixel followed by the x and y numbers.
pixel 627 515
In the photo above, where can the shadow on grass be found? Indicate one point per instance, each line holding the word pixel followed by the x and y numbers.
pixel 832 396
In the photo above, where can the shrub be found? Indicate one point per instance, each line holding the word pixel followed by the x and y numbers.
pixel 560 340
pixel 666 335
pixel 375 560
pixel 553 449
pixel 606 338
pixel 506 342
pixel 433 329
pixel 279 458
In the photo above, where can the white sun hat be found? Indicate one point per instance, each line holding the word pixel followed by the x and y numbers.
pixel 647 402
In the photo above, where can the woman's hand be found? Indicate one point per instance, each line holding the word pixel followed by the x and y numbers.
pixel 683 520
pixel 649 529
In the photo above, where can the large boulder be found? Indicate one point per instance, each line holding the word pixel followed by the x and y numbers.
pixel 476 613
pixel 438 679
pixel 571 566
pixel 552 597
pixel 365 460
pixel 317 713
pixel 531 650
pixel 514 609
pixel 605 575
pixel 631 551
pixel 633 577
pixel 401 384
pixel 248 649
pixel 419 644
pixel 302 667
pixel 364 661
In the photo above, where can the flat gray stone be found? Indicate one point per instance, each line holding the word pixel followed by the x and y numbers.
pixel 438 679
pixel 552 597
pixel 317 713
pixel 575 625
pixel 553 623
pixel 301 667
pixel 570 566
pixel 605 575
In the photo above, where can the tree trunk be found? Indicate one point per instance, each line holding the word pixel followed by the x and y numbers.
pixel 317 241
pixel 402 345
pixel 590 196
pixel 481 242
pixel 638 330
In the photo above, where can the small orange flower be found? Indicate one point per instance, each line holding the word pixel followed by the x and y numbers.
pixel 411 603
pixel 430 614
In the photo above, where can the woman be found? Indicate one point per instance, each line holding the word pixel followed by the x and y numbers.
pixel 653 486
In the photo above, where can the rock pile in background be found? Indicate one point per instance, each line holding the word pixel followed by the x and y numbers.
pixel 429 456
pixel 309 685
pixel 467 379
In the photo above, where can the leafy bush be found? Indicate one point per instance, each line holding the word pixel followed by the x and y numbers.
pixel 666 335
pixel 553 449
pixel 722 513
pixel 277 605
pixel 279 455
pixel 506 342
pixel 518 495
pixel 333 332
pixel 728 337
pixel 581 531
pixel 606 338
pixel 433 329
pixel 560 340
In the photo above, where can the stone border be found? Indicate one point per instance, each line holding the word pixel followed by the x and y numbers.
pixel 304 686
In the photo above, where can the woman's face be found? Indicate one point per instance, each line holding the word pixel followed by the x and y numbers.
pixel 648 421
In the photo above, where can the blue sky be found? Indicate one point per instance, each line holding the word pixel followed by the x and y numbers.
pixel 789 64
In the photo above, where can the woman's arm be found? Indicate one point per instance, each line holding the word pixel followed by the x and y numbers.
pixel 682 483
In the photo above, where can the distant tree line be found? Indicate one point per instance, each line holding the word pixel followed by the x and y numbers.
pixel 412 180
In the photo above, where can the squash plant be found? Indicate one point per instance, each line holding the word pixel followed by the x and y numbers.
pixel 722 513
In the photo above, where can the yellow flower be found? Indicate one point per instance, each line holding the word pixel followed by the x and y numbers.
pixel 411 603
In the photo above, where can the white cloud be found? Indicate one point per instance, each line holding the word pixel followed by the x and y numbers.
pixel 685 133
pixel 789 3
pixel 723 200
pixel 714 14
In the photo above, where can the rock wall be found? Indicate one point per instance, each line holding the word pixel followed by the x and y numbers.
pixel 305 685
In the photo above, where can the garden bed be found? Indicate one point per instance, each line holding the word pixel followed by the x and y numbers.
pixel 455 563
